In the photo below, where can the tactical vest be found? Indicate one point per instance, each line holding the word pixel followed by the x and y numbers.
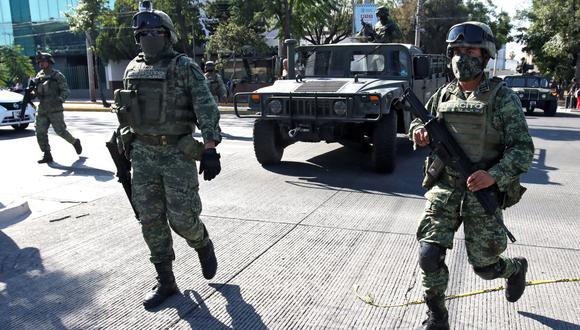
pixel 471 124
pixel 156 108
pixel 47 85
pixel 214 85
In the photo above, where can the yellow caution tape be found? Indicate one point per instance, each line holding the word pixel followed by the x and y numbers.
pixel 368 299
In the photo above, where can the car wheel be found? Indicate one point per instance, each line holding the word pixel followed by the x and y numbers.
pixel 20 127
pixel 385 143
pixel 551 108
pixel 268 144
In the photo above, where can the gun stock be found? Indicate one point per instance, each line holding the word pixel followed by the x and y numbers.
pixel 448 150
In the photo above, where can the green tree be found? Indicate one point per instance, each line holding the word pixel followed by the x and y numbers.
pixel 553 37
pixel 327 26
pixel 87 17
pixel 115 41
pixel 14 66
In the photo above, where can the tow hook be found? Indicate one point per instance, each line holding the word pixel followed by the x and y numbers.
pixel 295 131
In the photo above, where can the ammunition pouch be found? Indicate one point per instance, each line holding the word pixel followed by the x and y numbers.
pixel 126 104
pixel 512 195
pixel 124 140
pixel 432 169
pixel 190 147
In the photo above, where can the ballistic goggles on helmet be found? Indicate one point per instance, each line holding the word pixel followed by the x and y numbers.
pixel 146 19
pixel 468 33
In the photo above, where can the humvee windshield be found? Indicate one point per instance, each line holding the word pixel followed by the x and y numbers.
pixel 339 62
pixel 532 82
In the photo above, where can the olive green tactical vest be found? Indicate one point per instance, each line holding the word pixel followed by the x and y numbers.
pixel 157 110
pixel 471 124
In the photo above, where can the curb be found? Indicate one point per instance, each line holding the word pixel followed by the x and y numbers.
pixel 13 210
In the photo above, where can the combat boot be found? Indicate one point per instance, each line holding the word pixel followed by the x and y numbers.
pixel 78 147
pixel 437 316
pixel 46 158
pixel 165 287
pixel 208 260
pixel 516 284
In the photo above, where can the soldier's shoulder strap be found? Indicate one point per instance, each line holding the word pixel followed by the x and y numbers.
pixel 495 85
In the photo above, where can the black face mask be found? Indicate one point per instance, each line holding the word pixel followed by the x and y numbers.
pixel 152 46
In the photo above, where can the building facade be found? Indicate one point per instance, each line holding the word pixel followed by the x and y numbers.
pixel 40 25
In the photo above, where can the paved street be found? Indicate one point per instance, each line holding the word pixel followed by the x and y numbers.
pixel 291 240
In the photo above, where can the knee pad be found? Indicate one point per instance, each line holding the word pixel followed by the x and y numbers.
pixel 431 257
pixel 490 272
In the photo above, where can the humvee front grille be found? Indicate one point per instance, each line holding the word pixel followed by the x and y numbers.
pixel 11 105
pixel 308 107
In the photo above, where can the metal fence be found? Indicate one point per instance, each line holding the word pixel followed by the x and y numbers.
pixel 77 77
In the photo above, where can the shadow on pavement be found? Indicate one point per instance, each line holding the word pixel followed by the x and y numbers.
pixel 31 297
pixel 555 134
pixel 9 134
pixel 334 170
pixel 550 322
pixel 539 171
pixel 244 315
pixel 77 168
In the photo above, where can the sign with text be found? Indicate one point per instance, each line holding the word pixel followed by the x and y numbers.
pixel 366 12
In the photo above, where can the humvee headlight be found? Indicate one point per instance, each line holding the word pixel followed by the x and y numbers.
pixel 521 95
pixel 340 108
pixel 543 96
pixel 275 107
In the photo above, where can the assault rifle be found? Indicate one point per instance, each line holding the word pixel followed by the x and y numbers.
pixel 368 31
pixel 123 166
pixel 27 99
pixel 446 148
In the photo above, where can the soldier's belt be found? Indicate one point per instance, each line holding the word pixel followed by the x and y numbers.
pixel 158 140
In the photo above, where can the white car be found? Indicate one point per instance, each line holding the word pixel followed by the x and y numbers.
pixel 10 108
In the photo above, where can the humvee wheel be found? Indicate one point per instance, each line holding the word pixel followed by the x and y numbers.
pixel 551 109
pixel 268 145
pixel 385 143
pixel 20 127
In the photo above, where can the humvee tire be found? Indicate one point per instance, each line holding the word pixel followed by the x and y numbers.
pixel 385 143
pixel 20 127
pixel 268 145
pixel 551 108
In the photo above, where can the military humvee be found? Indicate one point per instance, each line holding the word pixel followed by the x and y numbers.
pixel 341 93
pixel 534 92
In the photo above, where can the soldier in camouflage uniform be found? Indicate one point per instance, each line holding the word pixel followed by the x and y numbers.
pixel 385 29
pixel 486 119
pixel 51 90
pixel 215 82
pixel 164 94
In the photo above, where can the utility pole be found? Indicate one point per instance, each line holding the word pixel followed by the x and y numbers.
pixel 418 22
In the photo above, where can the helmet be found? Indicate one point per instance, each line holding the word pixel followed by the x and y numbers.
pixel 471 34
pixel 382 11
pixel 151 19
pixel 209 65
pixel 44 57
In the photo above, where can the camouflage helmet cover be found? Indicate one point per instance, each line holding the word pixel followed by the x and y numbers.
pixel 209 65
pixel 163 20
pixel 486 43
pixel 40 57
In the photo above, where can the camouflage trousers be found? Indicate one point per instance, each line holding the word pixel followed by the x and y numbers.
pixel 165 194
pixel 446 209
pixel 43 122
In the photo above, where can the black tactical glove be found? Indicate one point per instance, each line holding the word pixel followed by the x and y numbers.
pixel 210 164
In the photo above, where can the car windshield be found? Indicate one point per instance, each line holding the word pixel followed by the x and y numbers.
pixel 532 82
pixel 347 62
